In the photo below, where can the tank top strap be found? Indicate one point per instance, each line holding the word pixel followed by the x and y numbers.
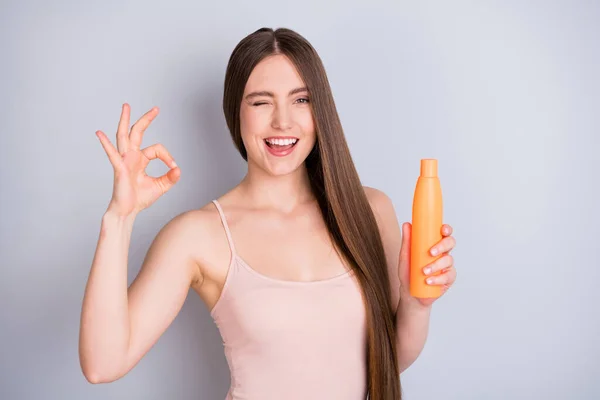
pixel 225 226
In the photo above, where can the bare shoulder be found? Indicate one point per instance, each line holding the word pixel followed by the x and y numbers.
pixel 189 227
pixel 387 220
pixel 381 204
pixel 188 236
pixel 391 236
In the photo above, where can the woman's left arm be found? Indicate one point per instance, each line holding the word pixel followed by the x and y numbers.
pixel 412 314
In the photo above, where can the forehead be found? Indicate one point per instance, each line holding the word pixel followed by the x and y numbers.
pixel 275 73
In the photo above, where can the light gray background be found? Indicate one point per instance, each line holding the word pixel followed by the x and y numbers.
pixel 505 94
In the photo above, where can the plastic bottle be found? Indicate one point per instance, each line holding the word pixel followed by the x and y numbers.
pixel 427 214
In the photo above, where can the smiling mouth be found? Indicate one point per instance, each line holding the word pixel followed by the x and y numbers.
pixel 282 146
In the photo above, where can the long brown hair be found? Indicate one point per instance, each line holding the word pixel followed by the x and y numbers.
pixel 337 187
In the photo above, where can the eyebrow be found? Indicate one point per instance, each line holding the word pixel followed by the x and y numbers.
pixel 270 94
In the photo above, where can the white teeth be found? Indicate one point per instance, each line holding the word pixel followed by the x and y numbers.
pixel 281 142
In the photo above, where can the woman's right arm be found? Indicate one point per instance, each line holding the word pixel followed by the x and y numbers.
pixel 120 324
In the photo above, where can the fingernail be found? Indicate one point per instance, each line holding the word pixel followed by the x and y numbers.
pixel 434 251
pixel 427 270
pixel 429 281
pixel 174 164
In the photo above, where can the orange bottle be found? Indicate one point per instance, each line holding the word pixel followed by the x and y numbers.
pixel 426 229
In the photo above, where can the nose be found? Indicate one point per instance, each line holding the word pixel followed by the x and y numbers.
pixel 282 118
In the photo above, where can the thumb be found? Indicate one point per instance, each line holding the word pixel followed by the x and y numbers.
pixel 404 257
pixel 169 179
pixel 405 246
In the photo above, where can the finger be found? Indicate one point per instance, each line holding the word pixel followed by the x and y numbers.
pixel 447 278
pixel 169 179
pixel 123 129
pixel 113 154
pixel 159 151
pixel 439 264
pixel 138 129
pixel 405 246
pixel 443 246
pixel 446 230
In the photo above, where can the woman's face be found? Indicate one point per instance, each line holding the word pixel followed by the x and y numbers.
pixel 276 120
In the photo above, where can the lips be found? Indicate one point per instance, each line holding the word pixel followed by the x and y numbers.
pixel 281 151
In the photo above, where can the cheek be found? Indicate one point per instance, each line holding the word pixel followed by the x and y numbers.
pixel 307 123
pixel 254 122
pixel 251 125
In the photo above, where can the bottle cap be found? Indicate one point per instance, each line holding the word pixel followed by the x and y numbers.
pixel 429 168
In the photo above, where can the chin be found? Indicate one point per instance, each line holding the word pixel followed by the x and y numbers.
pixel 285 161
pixel 283 170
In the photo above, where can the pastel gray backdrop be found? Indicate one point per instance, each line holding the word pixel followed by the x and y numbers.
pixel 505 95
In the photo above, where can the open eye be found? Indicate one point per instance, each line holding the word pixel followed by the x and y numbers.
pixel 305 100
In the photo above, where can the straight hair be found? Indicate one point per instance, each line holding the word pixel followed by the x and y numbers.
pixel 337 187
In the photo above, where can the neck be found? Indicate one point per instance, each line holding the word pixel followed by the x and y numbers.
pixel 284 192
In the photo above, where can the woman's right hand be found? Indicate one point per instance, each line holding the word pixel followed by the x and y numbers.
pixel 133 189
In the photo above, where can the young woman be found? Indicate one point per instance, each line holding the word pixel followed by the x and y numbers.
pixel 303 269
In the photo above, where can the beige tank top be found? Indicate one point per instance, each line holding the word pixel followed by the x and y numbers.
pixel 288 339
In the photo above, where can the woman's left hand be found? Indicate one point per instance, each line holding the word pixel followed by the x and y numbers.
pixel 444 263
